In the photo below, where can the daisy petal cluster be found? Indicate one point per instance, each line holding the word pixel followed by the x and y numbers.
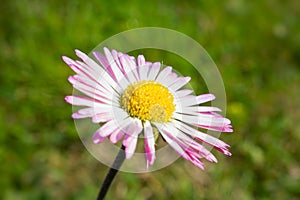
pixel 132 97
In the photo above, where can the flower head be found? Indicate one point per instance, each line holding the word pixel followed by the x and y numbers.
pixel 132 97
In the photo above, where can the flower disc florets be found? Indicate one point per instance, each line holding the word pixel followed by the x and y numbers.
pixel 148 100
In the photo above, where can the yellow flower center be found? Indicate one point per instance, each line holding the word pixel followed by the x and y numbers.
pixel 148 100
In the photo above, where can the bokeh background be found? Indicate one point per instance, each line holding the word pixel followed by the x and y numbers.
pixel 256 46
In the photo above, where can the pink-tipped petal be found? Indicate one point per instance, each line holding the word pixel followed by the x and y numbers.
pixel 82 101
pixel 118 75
pixel 98 138
pixel 105 64
pixel 141 60
pixel 224 128
pixel 132 131
pixel 130 71
pixel 80 116
pixel 205 98
pixel 149 143
pixel 116 136
pixel 193 146
pixel 208 139
pixel 130 146
pixel 179 146
pixel 92 91
pixel 102 117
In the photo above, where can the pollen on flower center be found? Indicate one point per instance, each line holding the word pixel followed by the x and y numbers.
pixel 148 100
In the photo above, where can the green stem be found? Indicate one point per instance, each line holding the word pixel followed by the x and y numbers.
pixel 112 173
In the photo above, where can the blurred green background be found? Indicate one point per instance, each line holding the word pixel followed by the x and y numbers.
pixel 255 44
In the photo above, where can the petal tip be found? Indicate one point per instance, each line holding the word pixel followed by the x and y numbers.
pixel 68 99
pixel 67 60
pixel 97 138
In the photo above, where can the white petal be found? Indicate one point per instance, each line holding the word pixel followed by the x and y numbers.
pixel 194 110
pixel 182 93
pixel 143 72
pixel 185 101
pixel 169 80
pixel 107 128
pixel 153 71
pixel 201 119
pixel 90 112
pixel 119 119
pixel 180 82
pixel 163 74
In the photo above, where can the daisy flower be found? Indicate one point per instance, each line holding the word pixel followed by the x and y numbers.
pixel 132 97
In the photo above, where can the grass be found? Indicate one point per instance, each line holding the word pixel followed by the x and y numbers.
pixel 256 46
